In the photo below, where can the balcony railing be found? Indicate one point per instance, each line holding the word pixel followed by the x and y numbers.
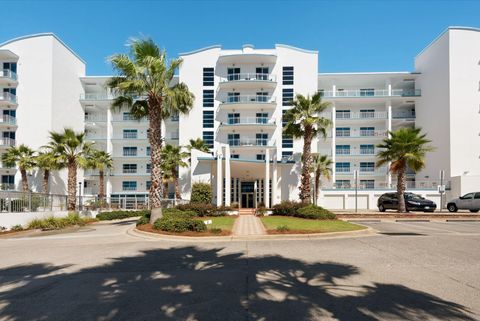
pixel 361 115
pixel 361 133
pixel 403 114
pixel 8 97
pixel 361 171
pixel 7 73
pixel 248 77
pixel 248 99
pixel 372 93
pixel 249 121
pixel 7 142
pixel 360 152
pixel 248 142
pixel 95 118
pixel 9 120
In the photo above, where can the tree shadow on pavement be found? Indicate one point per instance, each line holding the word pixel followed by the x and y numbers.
pixel 189 283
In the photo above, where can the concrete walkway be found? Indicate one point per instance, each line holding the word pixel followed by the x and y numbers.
pixel 248 225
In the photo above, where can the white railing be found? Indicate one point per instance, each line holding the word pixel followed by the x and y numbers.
pixel 248 77
pixel 7 73
pixel 362 171
pixel 361 133
pixel 327 152
pixel 247 142
pixel 6 96
pixel 249 121
pixel 174 136
pixel 7 119
pixel 248 99
pixel 128 118
pixel 361 115
pixel 98 118
pixel 97 96
pixel 403 114
pixel 353 152
pixel 372 93
pixel 7 142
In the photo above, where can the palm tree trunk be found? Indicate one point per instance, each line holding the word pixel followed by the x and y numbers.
pixel 177 186
pixel 101 186
pixel 23 172
pixel 401 190
pixel 305 193
pixel 155 139
pixel 46 177
pixel 165 190
pixel 72 185
pixel 317 185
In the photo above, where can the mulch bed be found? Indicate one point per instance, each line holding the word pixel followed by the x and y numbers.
pixel 149 228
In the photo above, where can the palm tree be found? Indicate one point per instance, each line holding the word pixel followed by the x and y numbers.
pixel 198 144
pixel 305 121
pixel 144 85
pixel 321 166
pixel 72 151
pixel 172 159
pixel 48 162
pixel 23 157
pixel 405 147
pixel 101 161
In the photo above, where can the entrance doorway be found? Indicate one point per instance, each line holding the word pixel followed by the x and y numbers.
pixel 248 200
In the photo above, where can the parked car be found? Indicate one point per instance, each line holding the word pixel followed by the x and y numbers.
pixel 469 201
pixel 413 202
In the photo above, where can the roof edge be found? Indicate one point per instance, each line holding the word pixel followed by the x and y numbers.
pixel 199 50
pixel 44 34
pixel 296 48
pixel 444 32
pixel 11 52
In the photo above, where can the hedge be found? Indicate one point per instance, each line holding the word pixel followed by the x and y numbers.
pixel 287 208
pixel 297 209
pixel 177 224
pixel 117 215
pixel 54 223
pixel 204 209
pixel 201 193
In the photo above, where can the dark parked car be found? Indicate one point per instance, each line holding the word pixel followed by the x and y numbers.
pixel 413 202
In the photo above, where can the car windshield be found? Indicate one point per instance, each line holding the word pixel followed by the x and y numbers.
pixel 411 196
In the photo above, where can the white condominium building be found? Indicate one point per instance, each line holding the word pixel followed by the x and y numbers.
pixel 240 97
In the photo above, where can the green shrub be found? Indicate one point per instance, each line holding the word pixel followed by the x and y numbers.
pixel 283 228
pixel 55 223
pixel 235 205
pixel 175 212
pixel 216 230
pixel 315 212
pixel 117 215
pixel 261 211
pixel 17 227
pixel 199 208
pixel 145 219
pixel 287 208
pixel 175 224
pixel 201 193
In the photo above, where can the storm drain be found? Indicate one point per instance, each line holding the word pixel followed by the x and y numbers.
pixel 402 234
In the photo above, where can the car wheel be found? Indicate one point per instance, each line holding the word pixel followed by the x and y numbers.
pixel 381 208
pixel 452 208
pixel 474 211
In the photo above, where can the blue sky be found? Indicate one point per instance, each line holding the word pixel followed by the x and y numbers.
pixel 349 35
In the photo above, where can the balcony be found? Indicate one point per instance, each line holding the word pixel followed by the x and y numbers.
pixel 361 134
pixel 96 97
pixel 95 118
pixel 363 115
pixel 248 80
pixel 248 122
pixel 403 115
pixel 248 102
pixel 363 171
pixel 7 99
pixel 371 93
pixel 8 77
pixel 8 120
pixel 7 142
pixel 360 152
pixel 248 142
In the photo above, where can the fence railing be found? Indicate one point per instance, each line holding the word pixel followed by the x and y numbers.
pixel 14 201
pixel 253 99
pixel 125 202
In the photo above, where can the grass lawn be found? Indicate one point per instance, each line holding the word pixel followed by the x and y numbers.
pixel 300 225
pixel 223 222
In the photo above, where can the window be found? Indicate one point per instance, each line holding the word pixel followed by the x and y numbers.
pixel 342 183
pixel 12 66
pixel 286 156
pixel 8 182
pixel 342 167
pixel 367 166
pixel 233 74
pixel 342 132
pixel 130 133
pixel 342 150
pixel 208 74
pixel 148 151
pixel 261 139
pixel 287 96
pixel 367 131
pixel 129 168
pixel 208 119
pixel 261 73
pixel 148 184
pixel 261 118
pixel 477 196
pixel 236 156
pixel 468 196
pixel 287 141
pixel 127 117
pixel 233 139
pixel 233 118
pixel 129 151
pixel 261 157
pixel 233 97
pixel 342 114
pixel 288 75
pixel 322 92
pixel 367 113
pixel 367 92
pixel 208 98
pixel 129 185
pixel 367 183
pixel 208 138
pixel 175 116
pixel 148 168
pixel 262 97
pixel 367 149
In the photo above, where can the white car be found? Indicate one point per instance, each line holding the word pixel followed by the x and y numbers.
pixel 470 201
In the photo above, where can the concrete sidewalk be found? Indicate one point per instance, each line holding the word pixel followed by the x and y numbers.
pixel 248 225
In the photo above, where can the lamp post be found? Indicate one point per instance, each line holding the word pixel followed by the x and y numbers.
pixel 355 176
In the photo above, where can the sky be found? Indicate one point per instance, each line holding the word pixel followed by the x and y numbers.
pixel 350 36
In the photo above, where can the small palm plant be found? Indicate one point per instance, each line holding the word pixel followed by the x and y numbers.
pixel 101 161
pixel 305 121
pixel 48 162
pixel 72 151
pixel 405 147
pixel 144 85
pixel 321 166
pixel 173 158
pixel 198 144
pixel 23 157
